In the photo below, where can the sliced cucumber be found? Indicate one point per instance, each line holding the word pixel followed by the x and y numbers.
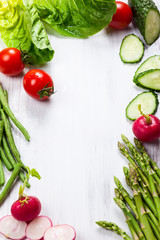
pixel 132 49
pixel 149 80
pixel 150 63
pixel 147 100
pixel 147 19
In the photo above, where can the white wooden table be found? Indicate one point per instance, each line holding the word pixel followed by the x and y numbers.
pixel 74 135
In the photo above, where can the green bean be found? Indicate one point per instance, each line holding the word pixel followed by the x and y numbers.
pixel 5 94
pixel 8 131
pixel 5 160
pixel 11 115
pixel 10 182
pixel 2 178
pixel 11 159
pixel 1 129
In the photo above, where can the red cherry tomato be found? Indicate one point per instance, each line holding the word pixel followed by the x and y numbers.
pixel 123 16
pixel 146 131
pixel 38 84
pixel 10 61
pixel 26 208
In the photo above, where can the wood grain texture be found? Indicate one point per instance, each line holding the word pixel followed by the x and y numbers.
pixel 74 135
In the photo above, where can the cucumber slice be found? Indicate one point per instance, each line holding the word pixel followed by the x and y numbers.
pixel 132 49
pixel 147 100
pixel 149 80
pixel 152 62
pixel 147 18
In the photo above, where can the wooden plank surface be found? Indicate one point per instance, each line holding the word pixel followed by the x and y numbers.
pixel 74 135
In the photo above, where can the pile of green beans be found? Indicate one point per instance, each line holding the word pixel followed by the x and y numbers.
pixel 9 154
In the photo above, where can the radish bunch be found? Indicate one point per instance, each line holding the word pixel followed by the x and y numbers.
pixel 39 228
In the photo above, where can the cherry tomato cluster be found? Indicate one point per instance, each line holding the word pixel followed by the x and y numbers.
pixel 37 83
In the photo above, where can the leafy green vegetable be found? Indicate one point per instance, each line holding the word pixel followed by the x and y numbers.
pixel 76 18
pixel 20 26
pixel 21 22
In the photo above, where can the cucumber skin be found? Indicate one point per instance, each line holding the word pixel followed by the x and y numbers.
pixel 155 110
pixel 135 80
pixel 140 9
pixel 138 60
pixel 135 76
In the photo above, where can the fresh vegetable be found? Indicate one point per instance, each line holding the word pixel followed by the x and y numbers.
pixel 11 228
pixel 8 111
pixel 147 18
pixel 144 219
pixel 10 183
pixel 38 84
pixel 132 49
pixel 76 19
pixel 2 177
pixel 20 26
pixel 113 227
pixel 149 80
pixel 64 231
pixel 149 104
pixel 147 127
pixel 123 16
pixel 37 227
pixel 152 62
pixel 5 160
pixel 26 208
pixel 21 23
pixel 11 62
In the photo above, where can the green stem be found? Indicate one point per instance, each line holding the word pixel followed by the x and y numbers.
pixel 147 117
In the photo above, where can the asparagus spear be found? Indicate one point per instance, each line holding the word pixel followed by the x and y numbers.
pixel 154 191
pixel 143 219
pixel 132 230
pixel 135 154
pixel 141 148
pixel 125 152
pixel 125 195
pixel 113 227
pixel 128 213
pixel 155 230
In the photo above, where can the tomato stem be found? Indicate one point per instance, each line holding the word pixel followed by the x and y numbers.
pixel 147 117
pixel 46 91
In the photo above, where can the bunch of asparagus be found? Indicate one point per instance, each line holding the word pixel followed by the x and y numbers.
pixel 142 210
pixel 9 154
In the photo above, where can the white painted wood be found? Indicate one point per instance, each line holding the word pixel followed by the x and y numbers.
pixel 74 135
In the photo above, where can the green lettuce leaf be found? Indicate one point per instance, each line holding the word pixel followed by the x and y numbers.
pixel 21 27
pixel 76 18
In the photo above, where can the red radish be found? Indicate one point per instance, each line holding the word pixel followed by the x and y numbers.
pixel 11 228
pixel 36 229
pixel 147 127
pixel 60 232
pixel 26 208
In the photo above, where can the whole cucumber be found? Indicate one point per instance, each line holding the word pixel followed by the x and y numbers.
pixel 147 18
